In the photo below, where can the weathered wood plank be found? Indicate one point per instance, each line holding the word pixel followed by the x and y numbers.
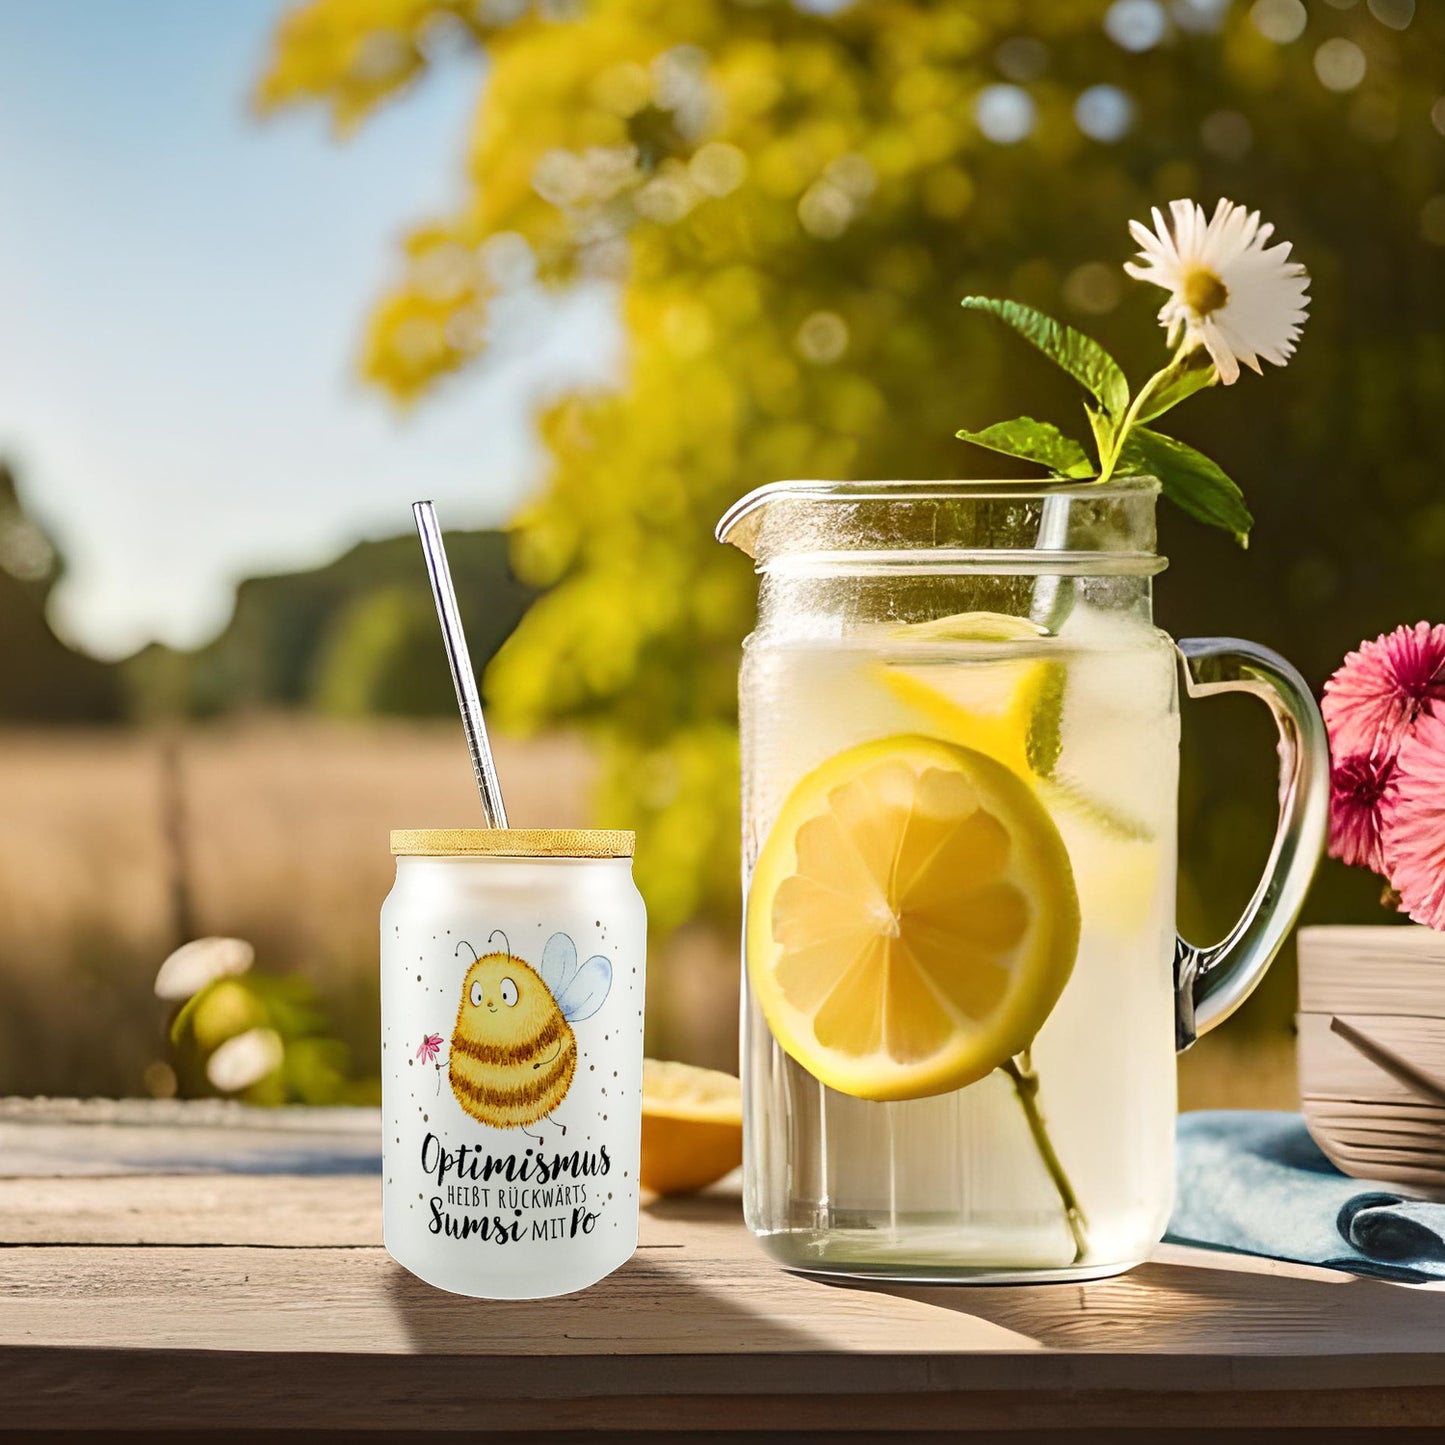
pixel 441 1395
pixel 203 1136
pixel 181 1298
pixel 195 1113
pixel 1180 1300
pixel 267 1210
pixel 272 1210
pixel 701 1288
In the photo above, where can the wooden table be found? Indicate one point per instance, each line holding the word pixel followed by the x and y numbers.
pixel 202 1266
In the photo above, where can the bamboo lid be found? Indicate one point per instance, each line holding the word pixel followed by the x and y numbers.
pixel 512 843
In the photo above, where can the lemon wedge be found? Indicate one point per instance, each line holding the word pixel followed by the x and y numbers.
pixel 972 627
pixel 1010 709
pixel 995 709
pixel 692 1126
pixel 912 919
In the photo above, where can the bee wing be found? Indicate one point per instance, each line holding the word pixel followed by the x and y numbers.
pixel 587 991
pixel 559 964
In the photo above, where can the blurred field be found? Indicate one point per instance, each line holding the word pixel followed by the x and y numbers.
pixel 114 846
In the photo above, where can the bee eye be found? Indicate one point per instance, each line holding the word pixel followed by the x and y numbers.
pixel 476 994
pixel 509 993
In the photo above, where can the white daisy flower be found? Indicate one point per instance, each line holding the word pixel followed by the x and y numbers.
pixel 201 961
pixel 1228 292
pixel 245 1060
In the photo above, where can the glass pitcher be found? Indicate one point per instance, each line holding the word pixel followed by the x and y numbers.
pixel 963 991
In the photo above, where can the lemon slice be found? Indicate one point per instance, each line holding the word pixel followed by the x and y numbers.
pixel 973 627
pixel 1011 709
pixel 912 919
pixel 1007 709
pixel 692 1126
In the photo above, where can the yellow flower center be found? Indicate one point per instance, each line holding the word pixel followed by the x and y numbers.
pixel 1204 292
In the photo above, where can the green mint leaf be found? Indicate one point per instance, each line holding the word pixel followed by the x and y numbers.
pixel 1034 441
pixel 1066 793
pixel 182 1020
pixel 1044 741
pixel 1101 427
pixel 1181 380
pixel 1190 480
pixel 1083 358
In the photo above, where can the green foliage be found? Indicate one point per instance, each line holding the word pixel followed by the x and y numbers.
pixel 1190 480
pixel 1079 355
pixel 1180 381
pixel 44 680
pixel 380 655
pixel 1035 441
pixel 312 1068
pixel 357 636
pixel 791 204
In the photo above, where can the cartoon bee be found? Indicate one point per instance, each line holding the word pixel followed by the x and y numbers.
pixel 513 1052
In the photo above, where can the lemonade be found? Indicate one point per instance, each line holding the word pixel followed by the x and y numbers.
pixel 959 857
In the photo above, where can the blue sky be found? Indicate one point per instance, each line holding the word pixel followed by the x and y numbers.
pixel 182 290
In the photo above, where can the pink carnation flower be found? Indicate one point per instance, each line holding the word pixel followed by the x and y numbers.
pixel 1374 700
pixel 1414 835
pixel 1362 790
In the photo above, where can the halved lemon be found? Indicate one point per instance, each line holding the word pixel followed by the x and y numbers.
pixel 692 1126
pixel 912 919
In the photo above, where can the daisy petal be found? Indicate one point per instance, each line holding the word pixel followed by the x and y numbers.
pixel 1253 298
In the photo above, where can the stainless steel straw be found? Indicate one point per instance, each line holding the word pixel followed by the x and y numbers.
pixel 468 699
pixel 1051 602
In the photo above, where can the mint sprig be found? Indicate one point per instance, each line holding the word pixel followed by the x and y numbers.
pixel 1081 356
pixel 1116 417
pixel 1034 441
pixel 1190 479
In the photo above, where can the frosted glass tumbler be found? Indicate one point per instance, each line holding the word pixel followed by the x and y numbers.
pixel 512 982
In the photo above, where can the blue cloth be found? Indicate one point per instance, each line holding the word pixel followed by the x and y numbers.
pixel 1256 1183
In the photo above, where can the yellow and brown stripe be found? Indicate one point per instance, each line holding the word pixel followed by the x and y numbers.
pixel 522 1084
pixel 524 1052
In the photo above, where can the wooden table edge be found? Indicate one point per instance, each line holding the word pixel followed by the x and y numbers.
pixel 65 1387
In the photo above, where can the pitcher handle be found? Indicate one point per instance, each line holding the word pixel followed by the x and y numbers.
pixel 1211 982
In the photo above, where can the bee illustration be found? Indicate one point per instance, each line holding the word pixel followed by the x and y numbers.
pixel 513 1052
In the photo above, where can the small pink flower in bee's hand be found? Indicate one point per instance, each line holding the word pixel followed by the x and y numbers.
pixel 430 1047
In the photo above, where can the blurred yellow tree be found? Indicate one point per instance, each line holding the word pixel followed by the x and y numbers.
pixel 791 199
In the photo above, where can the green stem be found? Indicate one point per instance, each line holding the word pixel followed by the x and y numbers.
pixel 1121 433
pixel 186 1013
pixel 1026 1086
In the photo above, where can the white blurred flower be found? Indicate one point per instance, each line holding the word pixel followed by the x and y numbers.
pixel 823 337
pixel 245 1060
pixel 201 961
pixel 718 168
pixel 559 177
pixel 1228 291
pixel 667 197
pixel 825 210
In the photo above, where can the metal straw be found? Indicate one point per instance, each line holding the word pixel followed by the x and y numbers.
pixel 468 699
pixel 1051 603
